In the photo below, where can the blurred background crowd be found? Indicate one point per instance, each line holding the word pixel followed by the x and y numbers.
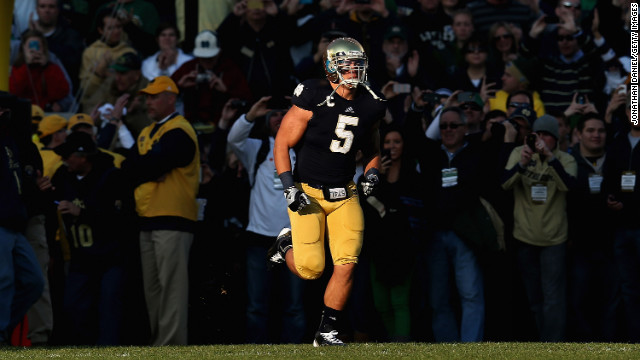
pixel 472 80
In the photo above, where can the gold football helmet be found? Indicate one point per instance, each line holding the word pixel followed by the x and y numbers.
pixel 343 56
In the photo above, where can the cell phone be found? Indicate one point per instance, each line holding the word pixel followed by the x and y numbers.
pixel 430 98
pixel 306 2
pixel 622 89
pixel 255 5
pixel 531 141
pixel 34 45
pixel 238 104
pixel 385 152
pixel 551 19
pixel 401 88
pixel 362 1
pixel 581 99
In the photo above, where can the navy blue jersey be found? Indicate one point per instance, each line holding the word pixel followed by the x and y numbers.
pixel 96 237
pixel 337 130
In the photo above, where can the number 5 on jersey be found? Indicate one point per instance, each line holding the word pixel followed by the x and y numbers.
pixel 346 135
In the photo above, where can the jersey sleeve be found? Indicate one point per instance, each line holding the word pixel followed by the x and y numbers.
pixel 304 95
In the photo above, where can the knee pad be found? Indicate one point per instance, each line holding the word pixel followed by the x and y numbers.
pixel 311 267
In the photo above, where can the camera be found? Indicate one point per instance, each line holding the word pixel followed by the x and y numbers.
pixel 203 77
pixel 515 124
pixel 34 45
pixel 498 130
pixel 531 141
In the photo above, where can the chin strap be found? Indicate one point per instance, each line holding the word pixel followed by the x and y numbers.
pixel 327 99
pixel 372 93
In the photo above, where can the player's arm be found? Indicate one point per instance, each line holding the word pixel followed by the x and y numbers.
pixel 291 130
pixel 372 156
pixel 373 152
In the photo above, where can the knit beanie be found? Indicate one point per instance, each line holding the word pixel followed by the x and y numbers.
pixel 547 123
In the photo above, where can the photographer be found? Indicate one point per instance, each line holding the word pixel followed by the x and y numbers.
pixel 623 200
pixel 35 77
pixel 267 216
pixel 540 176
pixel 209 80
pixel 472 105
pixel 453 172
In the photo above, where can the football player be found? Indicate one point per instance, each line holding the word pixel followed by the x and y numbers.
pixel 327 124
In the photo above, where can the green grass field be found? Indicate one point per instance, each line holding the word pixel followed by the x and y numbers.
pixel 364 351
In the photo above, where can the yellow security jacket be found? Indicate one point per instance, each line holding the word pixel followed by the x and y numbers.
pixel 175 193
pixel 50 162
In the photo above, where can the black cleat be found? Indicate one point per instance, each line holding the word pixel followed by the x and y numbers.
pixel 327 339
pixel 277 251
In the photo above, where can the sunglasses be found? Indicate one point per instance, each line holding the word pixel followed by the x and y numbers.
pixel 562 38
pixel 516 104
pixel 569 5
pixel 502 37
pixel 473 107
pixel 452 126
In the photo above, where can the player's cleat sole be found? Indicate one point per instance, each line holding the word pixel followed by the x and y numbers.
pixel 327 339
pixel 277 251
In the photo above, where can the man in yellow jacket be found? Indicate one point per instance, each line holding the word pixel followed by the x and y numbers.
pixel 165 173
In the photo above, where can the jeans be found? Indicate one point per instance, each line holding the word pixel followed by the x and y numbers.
pixel 543 270
pixel 627 255
pixel 260 286
pixel 448 252
pixel 21 281
pixel 593 295
pixel 93 303
pixel 41 313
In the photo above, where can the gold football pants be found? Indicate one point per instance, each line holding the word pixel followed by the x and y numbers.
pixel 343 223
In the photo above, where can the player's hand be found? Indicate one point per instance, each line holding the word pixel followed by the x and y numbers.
pixel 372 179
pixel 296 198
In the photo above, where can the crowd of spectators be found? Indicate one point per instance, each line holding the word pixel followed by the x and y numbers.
pixel 508 209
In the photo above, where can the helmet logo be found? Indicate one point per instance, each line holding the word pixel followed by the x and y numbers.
pixel 330 68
